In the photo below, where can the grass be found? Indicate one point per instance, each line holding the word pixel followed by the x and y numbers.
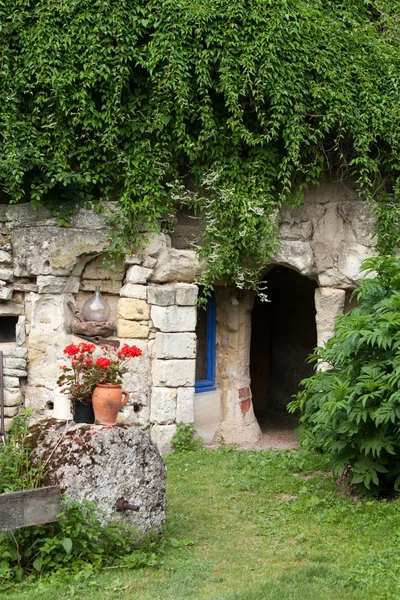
pixel 255 526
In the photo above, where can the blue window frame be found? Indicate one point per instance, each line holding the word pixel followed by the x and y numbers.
pixel 206 334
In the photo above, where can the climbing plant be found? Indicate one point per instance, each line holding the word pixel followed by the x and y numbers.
pixel 230 108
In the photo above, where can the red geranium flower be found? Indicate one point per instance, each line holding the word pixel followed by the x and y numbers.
pixel 103 362
pixel 129 351
pixel 71 350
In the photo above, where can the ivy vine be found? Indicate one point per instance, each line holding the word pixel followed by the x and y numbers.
pixel 230 108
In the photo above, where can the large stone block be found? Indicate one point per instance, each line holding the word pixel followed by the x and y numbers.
pixel 107 286
pixel 173 373
pixel 15 372
pixel 12 308
pixel 10 411
pixel 186 294
pixel 7 274
pixel 5 293
pixel 156 244
pixel 185 405
pixel 174 318
pixel 12 397
pixel 49 314
pixel 329 303
pixel 13 352
pixel 161 435
pixel 103 268
pixel 163 405
pixel 49 284
pixel 14 363
pixel 132 290
pixel 10 382
pixel 133 309
pixel 131 329
pixel 161 295
pixel 5 258
pixel 176 265
pixel 54 250
pixel 136 274
pixel 296 255
pixel 175 345
pixel 20 331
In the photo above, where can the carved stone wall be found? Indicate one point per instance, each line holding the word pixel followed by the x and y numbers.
pixel 152 296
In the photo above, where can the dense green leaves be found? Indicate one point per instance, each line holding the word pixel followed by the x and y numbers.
pixel 352 410
pixel 237 106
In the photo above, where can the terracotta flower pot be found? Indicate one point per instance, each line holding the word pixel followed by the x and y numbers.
pixel 107 401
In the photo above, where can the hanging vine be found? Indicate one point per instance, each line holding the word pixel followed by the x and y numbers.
pixel 229 108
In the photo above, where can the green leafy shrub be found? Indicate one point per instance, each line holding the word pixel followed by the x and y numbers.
pixel 77 542
pixel 183 439
pixel 16 472
pixel 352 410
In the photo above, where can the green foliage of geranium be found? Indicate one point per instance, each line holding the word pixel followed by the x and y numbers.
pixel 352 410
pixel 230 108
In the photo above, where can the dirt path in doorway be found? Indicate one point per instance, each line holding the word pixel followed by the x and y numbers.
pixel 277 432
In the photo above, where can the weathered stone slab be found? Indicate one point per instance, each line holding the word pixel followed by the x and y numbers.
pixel 104 464
pixel 329 303
pixel 161 295
pixel 175 345
pixel 14 363
pixel 296 255
pixel 12 397
pixel 186 294
pixel 5 258
pixel 163 405
pixel 132 290
pixel 53 250
pixel 133 309
pixel 136 274
pixel 15 372
pixel 173 373
pixel 13 352
pixel 176 265
pixel 5 293
pixel 10 382
pixel 174 318
pixel 185 405
pixel 7 274
pixel 20 331
pixel 106 286
pixel 50 284
pixel 12 308
pixel 103 268
pixel 161 435
pixel 131 329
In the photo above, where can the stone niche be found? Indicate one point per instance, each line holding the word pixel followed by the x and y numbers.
pixel 152 296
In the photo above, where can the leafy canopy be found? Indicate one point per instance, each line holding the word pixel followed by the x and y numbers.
pixel 352 410
pixel 231 108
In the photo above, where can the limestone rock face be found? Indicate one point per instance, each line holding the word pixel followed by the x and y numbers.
pixel 103 464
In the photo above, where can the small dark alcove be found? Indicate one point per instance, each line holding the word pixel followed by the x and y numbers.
pixel 7 329
pixel 283 335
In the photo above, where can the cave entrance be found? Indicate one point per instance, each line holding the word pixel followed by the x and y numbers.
pixel 283 335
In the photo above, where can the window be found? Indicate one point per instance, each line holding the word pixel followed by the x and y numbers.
pixel 7 329
pixel 205 355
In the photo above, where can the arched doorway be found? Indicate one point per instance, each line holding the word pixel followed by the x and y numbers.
pixel 283 335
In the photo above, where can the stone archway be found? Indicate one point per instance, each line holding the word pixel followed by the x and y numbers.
pixel 283 335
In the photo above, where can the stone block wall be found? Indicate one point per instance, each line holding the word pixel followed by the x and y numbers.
pixel 152 296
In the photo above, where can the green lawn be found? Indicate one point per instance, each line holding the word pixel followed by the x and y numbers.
pixel 253 526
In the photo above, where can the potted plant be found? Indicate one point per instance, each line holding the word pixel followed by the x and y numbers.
pixel 107 371
pixel 77 381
